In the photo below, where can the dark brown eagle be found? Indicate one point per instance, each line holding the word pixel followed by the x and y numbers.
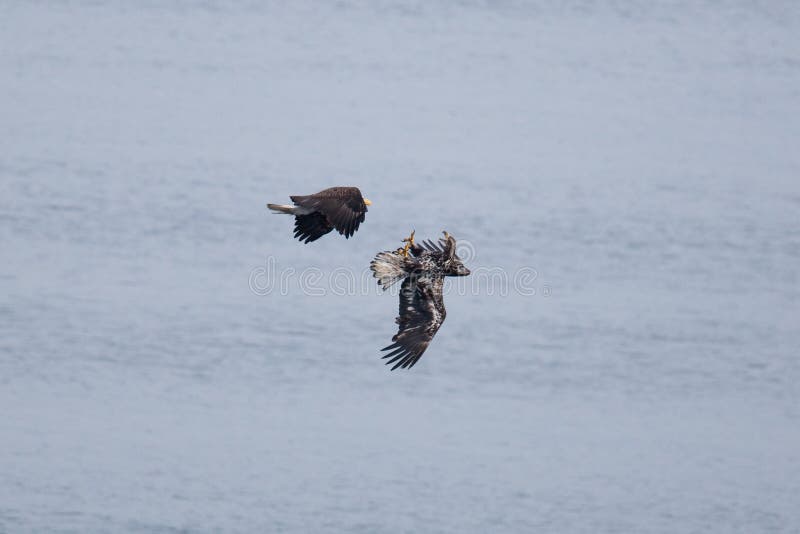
pixel 421 301
pixel 342 208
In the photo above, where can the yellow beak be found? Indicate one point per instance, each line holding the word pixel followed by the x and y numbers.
pixel 367 202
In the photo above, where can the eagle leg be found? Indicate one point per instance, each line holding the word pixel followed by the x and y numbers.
pixel 409 242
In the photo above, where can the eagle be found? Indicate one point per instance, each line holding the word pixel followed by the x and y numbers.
pixel 421 302
pixel 315 215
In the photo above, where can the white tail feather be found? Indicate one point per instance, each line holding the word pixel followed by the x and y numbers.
pixel 388 268
pixel 281 208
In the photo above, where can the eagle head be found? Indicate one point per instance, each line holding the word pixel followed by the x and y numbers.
pixel 455 268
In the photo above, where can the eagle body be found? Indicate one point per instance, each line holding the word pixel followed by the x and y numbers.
pixel 339 208
pixel 421 310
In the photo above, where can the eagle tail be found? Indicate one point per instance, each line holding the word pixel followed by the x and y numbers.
pixel 388 268
pixel 282 208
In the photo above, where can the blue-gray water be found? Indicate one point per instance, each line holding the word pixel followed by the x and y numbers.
pixel 643 160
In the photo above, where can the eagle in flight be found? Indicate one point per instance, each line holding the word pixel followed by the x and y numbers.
pixel 421 302
pixel 342 208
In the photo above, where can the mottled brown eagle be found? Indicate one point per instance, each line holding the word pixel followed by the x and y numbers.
pixel 421 302
pixel 342 208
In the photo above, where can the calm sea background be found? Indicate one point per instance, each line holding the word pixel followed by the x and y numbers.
pixel 639 161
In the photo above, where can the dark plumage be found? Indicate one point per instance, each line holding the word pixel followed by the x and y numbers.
pixel 421 309
pixel 342 208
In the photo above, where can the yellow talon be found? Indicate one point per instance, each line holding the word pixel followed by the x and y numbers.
pixel 409 241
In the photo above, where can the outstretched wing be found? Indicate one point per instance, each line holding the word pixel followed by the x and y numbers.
pixel 311 227
pixel 344 207
pixel 431 246
pixel 421 314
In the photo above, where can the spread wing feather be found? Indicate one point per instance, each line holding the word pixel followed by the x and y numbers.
pixel 421 314
pixel 430 245
pixel 311 227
